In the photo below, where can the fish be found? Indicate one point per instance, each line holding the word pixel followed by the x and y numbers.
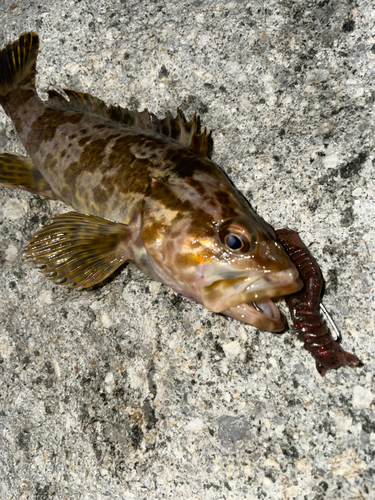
pixel 140 189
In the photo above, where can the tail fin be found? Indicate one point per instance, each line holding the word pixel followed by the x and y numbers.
pixel 17 65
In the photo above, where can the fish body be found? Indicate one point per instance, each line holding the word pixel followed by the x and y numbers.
pixel 143 190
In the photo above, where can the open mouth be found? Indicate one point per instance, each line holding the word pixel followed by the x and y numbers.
pixel 250 299
pixel 261 314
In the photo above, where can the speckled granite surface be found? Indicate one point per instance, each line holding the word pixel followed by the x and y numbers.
pixel 129 391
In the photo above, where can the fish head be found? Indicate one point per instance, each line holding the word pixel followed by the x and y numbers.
pixel 252 269
pixel 206 242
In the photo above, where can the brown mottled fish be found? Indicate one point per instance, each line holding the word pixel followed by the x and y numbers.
pixel 143 190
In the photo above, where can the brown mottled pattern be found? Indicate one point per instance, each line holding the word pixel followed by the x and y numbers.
pixel 24 107
pixel 104 168
pixel 100 167
pixel 154 176
pixel 92 170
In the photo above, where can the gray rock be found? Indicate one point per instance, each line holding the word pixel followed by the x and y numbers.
pixel 128 391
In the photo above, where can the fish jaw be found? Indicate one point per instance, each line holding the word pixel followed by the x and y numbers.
pixel 261 314
pixel 249 298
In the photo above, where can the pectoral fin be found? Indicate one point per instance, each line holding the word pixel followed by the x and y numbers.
pixel 82 250
pixel 18 171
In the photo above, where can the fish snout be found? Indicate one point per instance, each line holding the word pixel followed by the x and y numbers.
pixel 272 255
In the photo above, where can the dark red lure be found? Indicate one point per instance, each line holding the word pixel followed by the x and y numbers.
pixel 304 308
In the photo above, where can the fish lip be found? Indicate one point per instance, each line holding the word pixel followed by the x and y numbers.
pixel 262 314
pixel 225 294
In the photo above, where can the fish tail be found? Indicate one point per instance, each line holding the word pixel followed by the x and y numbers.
pixel 17 65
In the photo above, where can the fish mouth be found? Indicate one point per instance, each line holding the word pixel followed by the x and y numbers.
pixel 248 299
pixel 262 314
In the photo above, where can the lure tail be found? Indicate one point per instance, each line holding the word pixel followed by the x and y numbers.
pixel 304 307
pixel 17 66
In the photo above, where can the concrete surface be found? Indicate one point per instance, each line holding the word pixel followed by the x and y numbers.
pixel 129 391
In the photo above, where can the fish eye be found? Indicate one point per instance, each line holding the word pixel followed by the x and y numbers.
pixel 233 242
pixel 238 236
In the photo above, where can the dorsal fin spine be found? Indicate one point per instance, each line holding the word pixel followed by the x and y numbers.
pixel 187 134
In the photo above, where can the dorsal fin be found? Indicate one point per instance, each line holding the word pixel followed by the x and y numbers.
pixel 187 134
pixel 78 101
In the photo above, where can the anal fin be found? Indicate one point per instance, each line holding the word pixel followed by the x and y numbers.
pixel 80 250
pixel 18 171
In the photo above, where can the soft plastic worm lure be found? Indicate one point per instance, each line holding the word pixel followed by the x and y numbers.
pixel 305 309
